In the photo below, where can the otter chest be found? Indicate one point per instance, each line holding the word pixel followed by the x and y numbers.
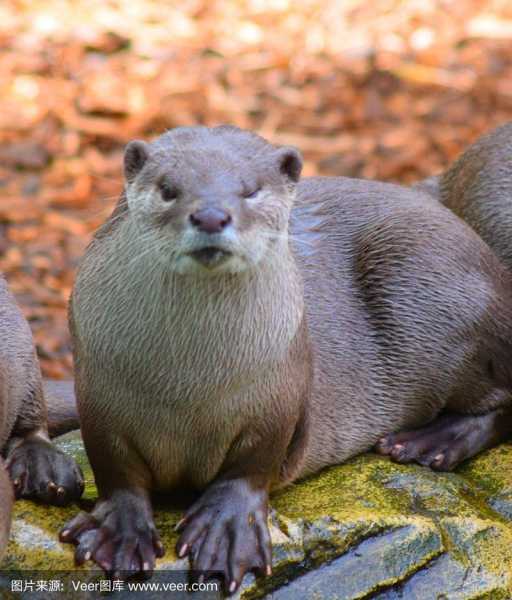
pixel 180 381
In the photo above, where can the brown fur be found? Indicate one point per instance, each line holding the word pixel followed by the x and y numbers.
pixel 337 311
pixel 23 420
pixel 19 383
pixel 61 407
pixel 478 188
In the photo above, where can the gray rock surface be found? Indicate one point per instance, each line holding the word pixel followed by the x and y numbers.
pixel 366 529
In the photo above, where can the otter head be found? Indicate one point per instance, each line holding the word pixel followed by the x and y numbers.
pixel 211 200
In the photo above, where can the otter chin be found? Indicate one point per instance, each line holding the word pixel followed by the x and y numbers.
pixel 208 260
pixel 210 257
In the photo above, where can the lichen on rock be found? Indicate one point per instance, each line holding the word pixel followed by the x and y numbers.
pixel 366 529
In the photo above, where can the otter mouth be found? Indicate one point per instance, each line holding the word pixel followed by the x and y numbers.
pixel 210 256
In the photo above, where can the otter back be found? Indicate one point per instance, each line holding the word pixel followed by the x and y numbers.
pixel 478 188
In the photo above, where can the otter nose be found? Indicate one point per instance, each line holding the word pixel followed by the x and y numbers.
pixel 210 220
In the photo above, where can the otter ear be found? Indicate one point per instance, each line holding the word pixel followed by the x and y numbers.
pixel 290 162
pixel 135 156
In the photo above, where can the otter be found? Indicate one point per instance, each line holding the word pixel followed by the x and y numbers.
pixel 478 188
pixel 36 467
pixel 236 329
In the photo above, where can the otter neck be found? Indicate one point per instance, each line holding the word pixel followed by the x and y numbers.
pixel 218 331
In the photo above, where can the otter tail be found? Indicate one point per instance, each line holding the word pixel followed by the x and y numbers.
pixel 61 403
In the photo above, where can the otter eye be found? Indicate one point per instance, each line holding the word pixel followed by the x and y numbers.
pixel 168 192
pixel 253 194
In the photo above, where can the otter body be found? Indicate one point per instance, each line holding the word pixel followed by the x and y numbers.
pixel 229 339
pixel 36 467
pixel 477 188
pixel 406 318
pixel 194 434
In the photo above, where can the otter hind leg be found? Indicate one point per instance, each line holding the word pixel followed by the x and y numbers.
pixel 448 440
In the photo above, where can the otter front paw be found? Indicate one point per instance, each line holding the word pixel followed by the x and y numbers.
pixel 225 532
pixel 41 471
pixel 119 537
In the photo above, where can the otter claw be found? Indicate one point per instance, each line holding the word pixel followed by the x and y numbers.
pixel 227 533
pixel 180 524
pixel 116 537
pixel 40 470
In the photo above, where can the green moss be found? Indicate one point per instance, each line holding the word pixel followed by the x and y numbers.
pixel 490 470
pixel 34 543
pixel 389 529
pixel 350 489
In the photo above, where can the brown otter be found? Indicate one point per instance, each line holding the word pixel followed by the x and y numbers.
pixel 36 467
pixel 478 188
pixel 235 330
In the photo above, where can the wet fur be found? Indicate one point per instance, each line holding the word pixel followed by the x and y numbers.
pixel 61 406
pixel 181 387
pixel 23 413
pixel 406 309
pixel 340 311
pixel 478 188
pixel 20 385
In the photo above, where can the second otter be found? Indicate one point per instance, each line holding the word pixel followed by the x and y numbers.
pixel 37 468
pixel 235 330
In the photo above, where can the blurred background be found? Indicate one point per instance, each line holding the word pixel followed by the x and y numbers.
pixel 379 89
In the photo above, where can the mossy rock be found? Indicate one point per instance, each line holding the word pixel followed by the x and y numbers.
pixel 366 529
